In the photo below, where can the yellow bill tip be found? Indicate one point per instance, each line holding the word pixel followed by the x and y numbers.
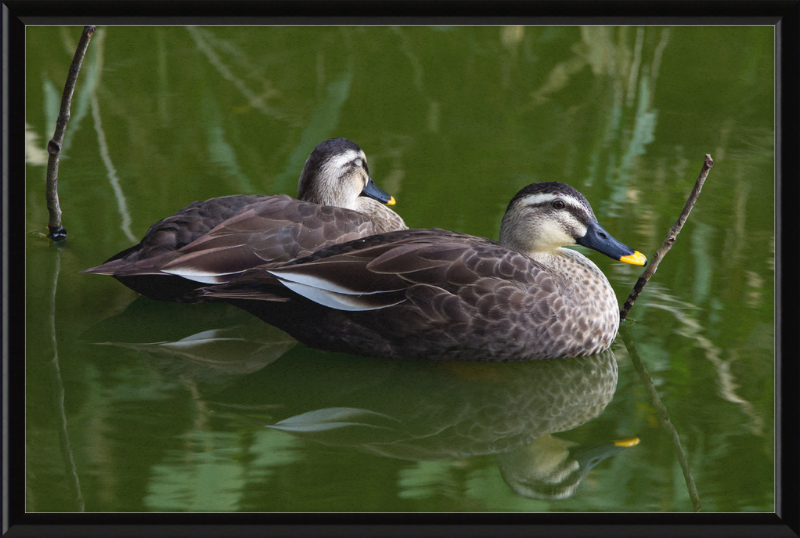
pixel 391 201
pixel 637 258
pixel 627 443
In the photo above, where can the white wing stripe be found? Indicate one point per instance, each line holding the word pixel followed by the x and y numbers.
pixel 320 283
pixel 197 275
pixel 330 299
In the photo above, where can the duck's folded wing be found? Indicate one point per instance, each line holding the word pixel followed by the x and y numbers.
pixel 176 231
pixel 272 232
pixel 275 230
pixel 190 223
pixel 380 276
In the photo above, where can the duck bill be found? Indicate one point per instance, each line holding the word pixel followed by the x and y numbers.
pixel 377 193
pixel 600 240
pixel 589 456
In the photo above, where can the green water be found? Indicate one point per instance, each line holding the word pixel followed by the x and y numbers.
pixel 454 120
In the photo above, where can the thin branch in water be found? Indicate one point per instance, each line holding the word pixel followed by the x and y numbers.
pixel 669 241
pixel 56 231
pixel 663 417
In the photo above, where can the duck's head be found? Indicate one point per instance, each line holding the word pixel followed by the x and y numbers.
pixel 336 174
pixel 545 216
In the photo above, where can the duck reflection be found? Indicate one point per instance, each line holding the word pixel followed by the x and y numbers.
pixel 412 410
pixel 211 346
pixel 553 468
pixel 427 410
pixel 229 349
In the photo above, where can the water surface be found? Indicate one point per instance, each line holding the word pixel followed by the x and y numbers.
pixel 135 405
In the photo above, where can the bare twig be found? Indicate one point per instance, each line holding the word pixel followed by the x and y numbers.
pixel 663 416
pixel 56 231
pixel 669 241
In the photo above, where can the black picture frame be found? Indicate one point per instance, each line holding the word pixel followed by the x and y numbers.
pixel 784 15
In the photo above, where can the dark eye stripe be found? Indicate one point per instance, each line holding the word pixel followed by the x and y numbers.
pixel 576 211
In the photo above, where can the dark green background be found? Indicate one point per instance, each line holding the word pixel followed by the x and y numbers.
pixel 454 120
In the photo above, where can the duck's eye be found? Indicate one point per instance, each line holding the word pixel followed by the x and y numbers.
pixel 558 204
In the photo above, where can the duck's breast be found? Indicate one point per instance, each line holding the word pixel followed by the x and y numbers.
pixel 582 309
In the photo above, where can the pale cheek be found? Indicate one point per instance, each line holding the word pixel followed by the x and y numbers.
pixel 553 236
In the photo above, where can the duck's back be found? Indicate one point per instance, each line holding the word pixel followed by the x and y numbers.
pixel 188 224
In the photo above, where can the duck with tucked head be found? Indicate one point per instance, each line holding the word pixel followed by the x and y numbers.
pixel 215 240
pixel 443 295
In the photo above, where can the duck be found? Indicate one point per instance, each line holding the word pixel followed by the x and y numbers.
pixel 214 240
pixel 437 294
